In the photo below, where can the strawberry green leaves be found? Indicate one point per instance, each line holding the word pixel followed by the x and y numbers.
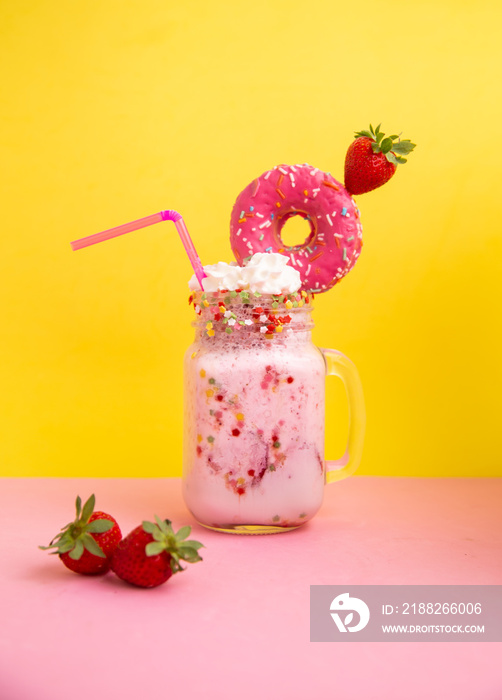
pixel 401 148
pixel 380 143
pixel 175 544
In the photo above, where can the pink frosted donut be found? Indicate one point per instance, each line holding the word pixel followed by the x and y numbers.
pixel 263 207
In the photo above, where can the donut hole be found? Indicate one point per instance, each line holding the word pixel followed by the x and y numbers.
pixel 296 230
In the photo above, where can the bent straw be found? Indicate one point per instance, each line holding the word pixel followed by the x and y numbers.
pixel 168 215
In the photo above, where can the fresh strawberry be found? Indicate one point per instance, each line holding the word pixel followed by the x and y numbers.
pixel 372 159
pixel 151 553
pixel 87 544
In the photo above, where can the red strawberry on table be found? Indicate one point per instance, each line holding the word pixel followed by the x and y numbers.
pixel 86 544
pixel 151 553
pixel 372 159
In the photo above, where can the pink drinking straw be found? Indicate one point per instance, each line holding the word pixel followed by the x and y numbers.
pixel 168 215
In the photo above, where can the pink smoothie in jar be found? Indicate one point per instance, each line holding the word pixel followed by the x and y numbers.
pixel 254 413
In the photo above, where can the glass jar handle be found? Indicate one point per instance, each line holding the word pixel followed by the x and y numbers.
pixel 339 365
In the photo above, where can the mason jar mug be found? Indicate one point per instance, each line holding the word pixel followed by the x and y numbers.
pixel 254 413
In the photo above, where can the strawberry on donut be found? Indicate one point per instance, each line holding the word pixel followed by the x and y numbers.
pixel 263 207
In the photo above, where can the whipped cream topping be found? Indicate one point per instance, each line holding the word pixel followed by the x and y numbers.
pixel 265 273
pixel 222 275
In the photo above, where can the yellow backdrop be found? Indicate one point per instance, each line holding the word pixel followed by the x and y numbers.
pixel 114 110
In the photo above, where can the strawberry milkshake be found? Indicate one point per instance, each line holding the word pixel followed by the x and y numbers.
pixel 254 401
pixel 254 382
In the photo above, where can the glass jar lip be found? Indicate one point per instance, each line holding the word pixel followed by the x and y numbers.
pixel 244 297
pixel 270 315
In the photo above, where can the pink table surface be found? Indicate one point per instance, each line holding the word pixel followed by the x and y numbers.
pixel 237 624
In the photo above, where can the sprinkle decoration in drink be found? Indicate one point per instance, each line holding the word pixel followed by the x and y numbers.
pixel 167 215
pixel 235 311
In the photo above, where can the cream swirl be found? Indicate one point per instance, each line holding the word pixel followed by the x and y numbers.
pixel 220 276
pixel 265 273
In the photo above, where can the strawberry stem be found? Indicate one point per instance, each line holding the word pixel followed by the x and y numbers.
pixel 74 537
pixel 393 150
pixel 174 543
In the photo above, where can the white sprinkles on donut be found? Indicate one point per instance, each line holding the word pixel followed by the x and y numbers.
pixel 331 249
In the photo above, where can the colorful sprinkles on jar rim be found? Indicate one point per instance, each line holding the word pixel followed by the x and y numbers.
pixel 220 316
